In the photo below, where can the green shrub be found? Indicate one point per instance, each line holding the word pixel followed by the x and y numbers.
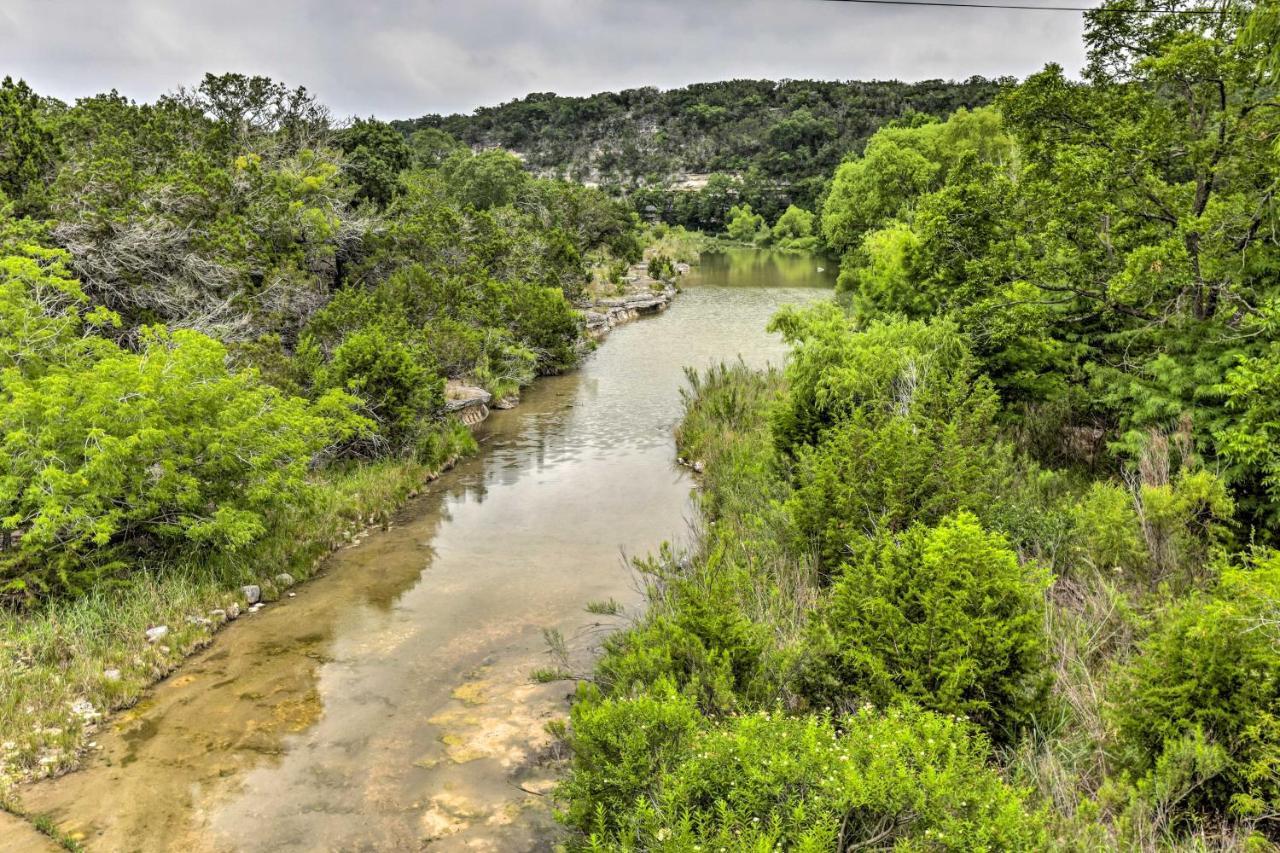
pixel 745 225
pixel 137 454
pixel 1210 670
pixel 398 390
pixel 621 750
pixel 888 427
pixel 661 267
pixel 886 369
pixel 1185 523
pixel 874 475
pixel 1106 531
pixel 945 617
pixel 906 780
pixel 700 642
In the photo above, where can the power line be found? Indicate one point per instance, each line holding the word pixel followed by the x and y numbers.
pixel 946 5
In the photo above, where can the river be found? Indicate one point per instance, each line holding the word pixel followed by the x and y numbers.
pixel 389 705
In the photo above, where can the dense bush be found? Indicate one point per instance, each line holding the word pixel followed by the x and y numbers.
pixel 399 392
pixel 128 456
pixel 945 617
pixel 1209 672
pixel 766 781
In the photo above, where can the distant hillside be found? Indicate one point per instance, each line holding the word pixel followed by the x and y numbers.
pixel 781 139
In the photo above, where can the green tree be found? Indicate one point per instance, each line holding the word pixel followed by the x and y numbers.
pixel 488 179
pixel 430 147
pixel 743 224
pixel 28 148
pixel 376 155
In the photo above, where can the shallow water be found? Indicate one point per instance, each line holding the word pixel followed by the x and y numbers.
pixel 389 705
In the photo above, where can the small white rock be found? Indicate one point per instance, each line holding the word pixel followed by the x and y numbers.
pixel 84 709
pixel 111 675
pixel 157 633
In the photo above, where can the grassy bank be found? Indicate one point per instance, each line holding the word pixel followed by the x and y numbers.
pixel 66 665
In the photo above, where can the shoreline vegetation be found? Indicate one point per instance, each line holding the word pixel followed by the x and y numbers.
pixel 70 666
pixel 993 562
pixel 235 332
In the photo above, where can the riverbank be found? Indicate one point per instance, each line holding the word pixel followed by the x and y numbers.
pixel 392 701
pixel 66 669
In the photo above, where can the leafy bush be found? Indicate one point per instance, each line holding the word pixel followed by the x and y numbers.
pixel 621 749
pixel 945 617
pixel 888 426
pixel 1210 672
pixel 745 225
pixel 135 454
pixel 904 779
pixel 699 641
pixel 399 391
pixel 1107 532
pixel 837 369
pixel 661 267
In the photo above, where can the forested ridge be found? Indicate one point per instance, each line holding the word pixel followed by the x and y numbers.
pixel 991 563
pixel 761 142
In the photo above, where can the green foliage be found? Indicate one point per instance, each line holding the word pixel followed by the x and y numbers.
pixel 879 273
pixel 945 617
pixel 376 155
pixel 28 148
pixel 430 147
pixel 621 748
pixel 399 392
pixel 1107 531
pixel 1210 673
pixel 136 454
pixel 661 268
pixel 873 189
pixel 795 230
pixel 763 781
pixel 837 371
pixel 795 223
pixel 1248 440
pixel 745 225
pixel 488 179
pixel 896 429
pixel 231 224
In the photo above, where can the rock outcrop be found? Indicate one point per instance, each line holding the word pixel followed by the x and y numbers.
pixel 466 402
pixel 642 294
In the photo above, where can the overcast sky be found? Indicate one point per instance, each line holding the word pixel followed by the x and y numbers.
pixel 404 58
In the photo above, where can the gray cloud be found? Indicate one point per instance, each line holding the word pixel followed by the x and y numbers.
pixel 401 58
